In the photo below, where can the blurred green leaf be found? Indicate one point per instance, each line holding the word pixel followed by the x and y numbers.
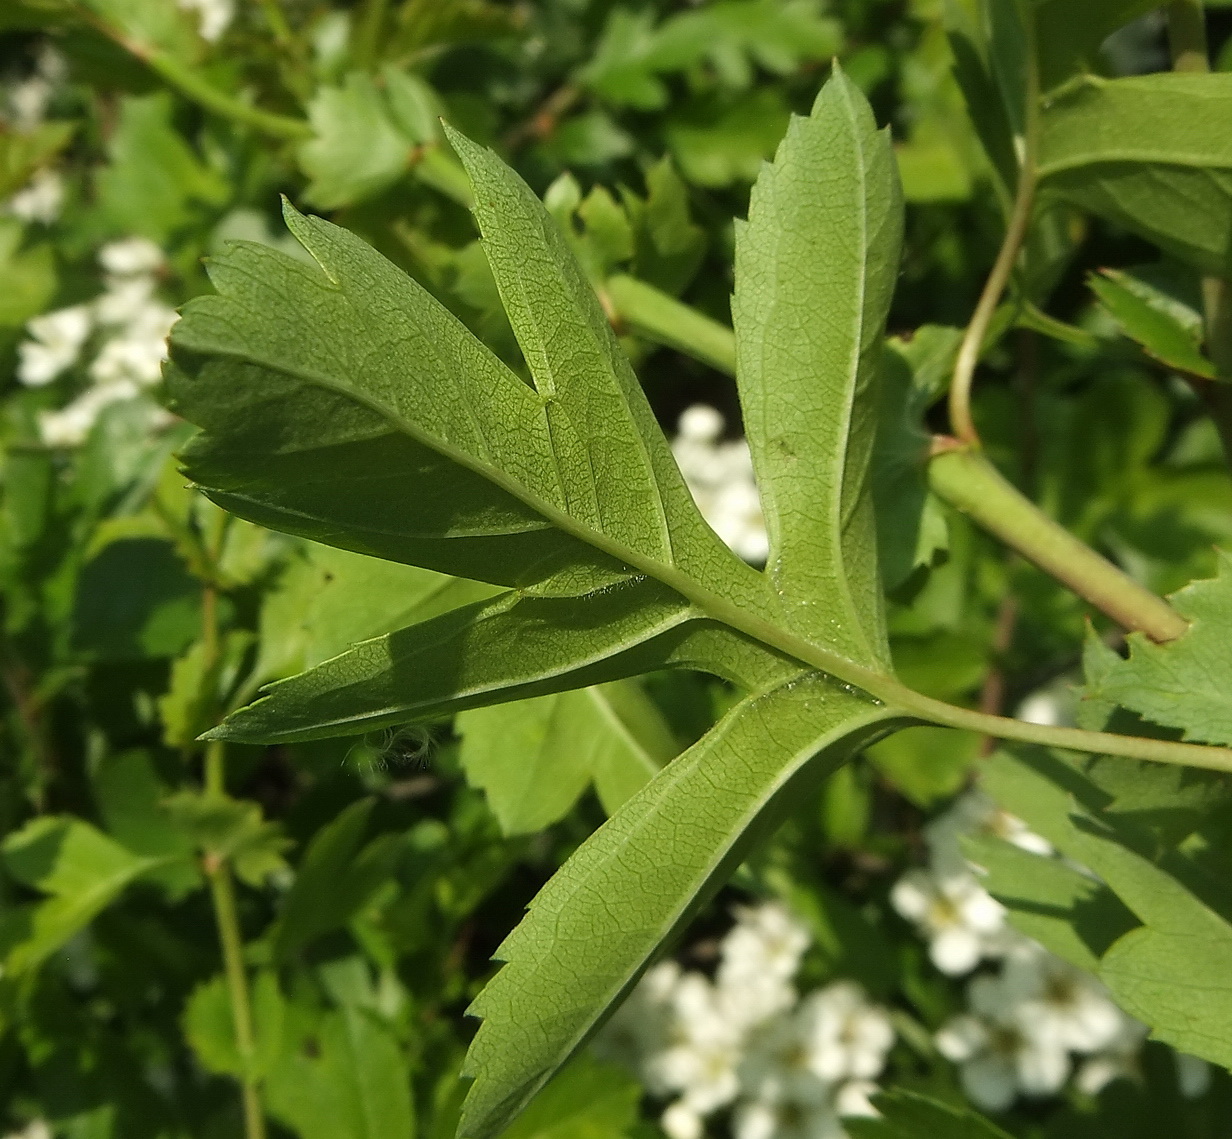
pixel 1183 684
pixel 342 1077
pixel 1149 153
pixel 83 870
pixel 1149 318
pixel 231 829
pixel 909 1115
pixel 533 758
pixel 209 1026
pixel 586 1100
pixel 153 183
pixel 27 275
pixel 22 153
pixel 719 142
pixel 335 878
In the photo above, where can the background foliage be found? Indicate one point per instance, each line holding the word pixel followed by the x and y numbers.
pixel 374 876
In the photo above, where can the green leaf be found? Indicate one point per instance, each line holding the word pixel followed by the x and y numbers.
pixel 1067 911
pixel 334 880
pixel 719 141
pixel 154 183
pixel 1183 683
pixel 342 1077
pixel 1068 36
pixel 83 870
pixel 27 276
pixel 587 1100
pixel 911 524
pixel 135 600
pixel 1150 153
pixel 1149 318
pixel 533 758
pixel 358 147
pixel 209 1027
pixel 596 926
pixel 230 829
pixel 668 246
pixel 814 275
pixel 909 1115
pixel 22 153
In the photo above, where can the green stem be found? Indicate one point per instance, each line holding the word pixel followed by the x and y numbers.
pixel 1002 509
pixel 969 482
pixel 222 892
pixel 961 422
pixel 662 319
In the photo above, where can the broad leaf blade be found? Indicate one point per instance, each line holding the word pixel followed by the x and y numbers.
pixel 1184 683
pixel 343 403
pixel 1150 320
pixel 815 270
pixel 618 478
pixel 1152 153
pixel 533 758
pixel 597 924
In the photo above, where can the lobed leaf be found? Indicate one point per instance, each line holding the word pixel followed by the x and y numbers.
pixel 815 269
pixel 1150 152
pixel 596 926
pixel 1183 683
pixel 533 758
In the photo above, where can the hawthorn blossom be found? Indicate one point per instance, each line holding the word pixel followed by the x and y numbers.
pixel 55 345
pixel 41 199
pixel 1118 1059
pixel 761 1119
pixel 1001 1050
pixel 720 477
pixel 1061 1001
pixel 975 813
pixel 960 919
pixel 849 1036
pixel 758 958
pixel 215 16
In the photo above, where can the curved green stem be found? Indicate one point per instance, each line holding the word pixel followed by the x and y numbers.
pixel 961 423
pixel 222 893
pixel 968 481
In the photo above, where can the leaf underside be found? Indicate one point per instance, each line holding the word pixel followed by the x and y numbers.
pixel 341 402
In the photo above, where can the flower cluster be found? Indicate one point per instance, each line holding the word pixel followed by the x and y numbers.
pixel 124 330
pixel 785 1067
pixel 23 108
pixel 1035 1021
pixel 720 475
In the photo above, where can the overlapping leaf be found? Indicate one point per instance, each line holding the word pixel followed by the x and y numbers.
pixel 1152 153
pixel 343 403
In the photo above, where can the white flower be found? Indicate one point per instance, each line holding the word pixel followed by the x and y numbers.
pixel 855 1098
pixel 780 1065
pixel 704 1053
pixel 848 1037
pixel 758 959
pixel 126 299
pixel 131 255
pixel 720 478
pixel 1117 1060
pixel 680 1121
pixel 1193 1075
pixel 1000 1051
pixel 27 102
pixel 40 200
pixel 971 814
pixel 642 1025
pixel 762 1119
pixel 1061 1001
pixel 133 357
pixel 56 344
pixel 961 920
pixel 69 426
pixel 215 15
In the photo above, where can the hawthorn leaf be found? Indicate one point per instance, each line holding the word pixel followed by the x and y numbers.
pixel 1150 152
pixel 815 269
pixel 911 523
pixel 343 1076
pixel 333 880
pixel 1151 319
pixel 209 1026
pixel 596 926
pixel 1067 911
pixel 82 869
pixel 533 758
pixel 1183 683
pixel 908 1115
pixel 588 1100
